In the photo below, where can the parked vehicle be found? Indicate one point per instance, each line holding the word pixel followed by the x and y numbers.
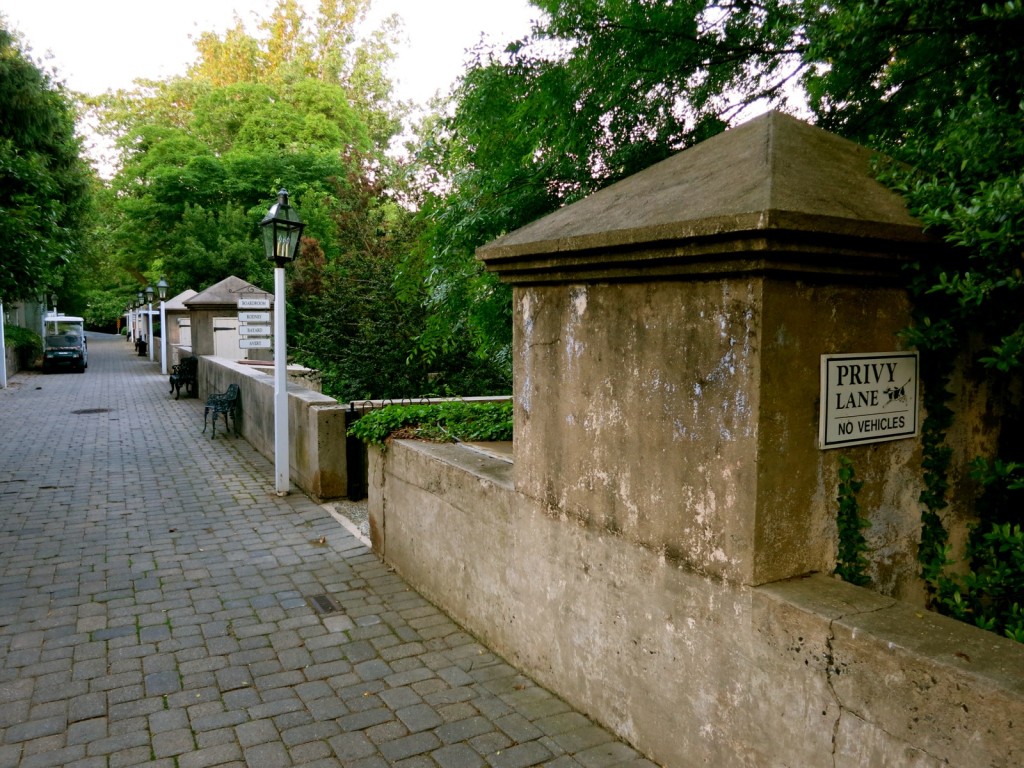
pixel 65 343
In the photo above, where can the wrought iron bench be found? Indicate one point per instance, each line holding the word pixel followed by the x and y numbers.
pixel 223 403
pixel 184 374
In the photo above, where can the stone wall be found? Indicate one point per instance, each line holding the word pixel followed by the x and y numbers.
pixel 683 416
pixel 655 552
pixel 316 423
pixel 689 669
pixel 11 359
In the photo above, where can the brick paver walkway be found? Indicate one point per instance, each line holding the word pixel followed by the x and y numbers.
pixel 155 608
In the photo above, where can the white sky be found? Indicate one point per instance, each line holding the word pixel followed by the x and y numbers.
pixel 98 45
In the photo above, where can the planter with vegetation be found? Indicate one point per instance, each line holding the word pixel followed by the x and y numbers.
pixel 454 421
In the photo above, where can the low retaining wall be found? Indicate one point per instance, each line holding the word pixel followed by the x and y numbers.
pixel 317 452
pixel 689 669
pixel 11 358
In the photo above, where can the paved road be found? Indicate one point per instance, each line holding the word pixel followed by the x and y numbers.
pixel 158 606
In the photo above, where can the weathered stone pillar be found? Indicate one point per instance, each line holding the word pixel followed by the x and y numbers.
pixel 668 337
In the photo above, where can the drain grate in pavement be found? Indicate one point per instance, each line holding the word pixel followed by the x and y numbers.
pixel 81 411
pixel 324 604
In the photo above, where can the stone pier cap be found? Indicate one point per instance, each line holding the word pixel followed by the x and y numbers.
pixel 668 332
pixel 773 194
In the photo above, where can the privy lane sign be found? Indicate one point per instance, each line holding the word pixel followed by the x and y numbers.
pixel 868 398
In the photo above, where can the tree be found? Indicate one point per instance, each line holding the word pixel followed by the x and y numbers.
pixel 600 90
pixel 326 50
pixel 940 87
pixel 604 88
pixel 44 183
pixel 202 155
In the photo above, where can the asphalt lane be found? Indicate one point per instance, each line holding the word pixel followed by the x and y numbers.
pixel 160 605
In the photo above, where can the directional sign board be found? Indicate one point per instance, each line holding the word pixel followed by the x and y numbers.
pixel 254 343
pixel 254 317
pixel 254 302
pixel 868 398
pixel 254 330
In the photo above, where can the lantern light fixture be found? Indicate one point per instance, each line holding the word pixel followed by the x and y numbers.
pixel 282 230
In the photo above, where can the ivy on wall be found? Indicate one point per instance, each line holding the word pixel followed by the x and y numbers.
pixel 851 561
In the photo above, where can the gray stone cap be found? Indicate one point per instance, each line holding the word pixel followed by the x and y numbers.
pixel 772 194
pixel 178 302
pixel 225 293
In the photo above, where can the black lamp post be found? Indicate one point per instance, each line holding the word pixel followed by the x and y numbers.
pixel 282 229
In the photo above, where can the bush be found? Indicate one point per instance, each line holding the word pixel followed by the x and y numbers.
pixel 991 593
pixel 442 422
pixel 26 344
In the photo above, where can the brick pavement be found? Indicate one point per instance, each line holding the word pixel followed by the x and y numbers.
pixel 155 608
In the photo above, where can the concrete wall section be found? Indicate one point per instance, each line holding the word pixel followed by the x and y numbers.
pixel 11 358
pixel 316 422
pixel 683 415
pixel 636 412
pixel 693 670
pixel 795 530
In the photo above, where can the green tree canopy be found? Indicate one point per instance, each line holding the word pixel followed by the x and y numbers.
pixel 600 90
pixel 301 105
pixel 940 86
pixel 44 183
pixel 603 88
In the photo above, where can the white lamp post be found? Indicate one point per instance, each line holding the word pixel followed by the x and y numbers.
pixel 139 332
pixel 42 310
pixel 282 229
pixel 149 316
pixel 3 350
pixel 162 286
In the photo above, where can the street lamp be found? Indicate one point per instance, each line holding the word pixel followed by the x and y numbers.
pixel 41 297
pixel 149 316
pixel 282 229
pixel 162 286
pixel 140 300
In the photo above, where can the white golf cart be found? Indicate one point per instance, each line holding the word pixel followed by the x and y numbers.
pixel 64 343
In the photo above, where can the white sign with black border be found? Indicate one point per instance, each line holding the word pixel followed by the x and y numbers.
pixel 868 398
pixel 253 302
pixel 254 317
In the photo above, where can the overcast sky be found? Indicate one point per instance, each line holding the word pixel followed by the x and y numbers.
pixel 99 45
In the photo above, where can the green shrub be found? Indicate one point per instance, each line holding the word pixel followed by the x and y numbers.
pixel 991 594
pixel 443 422
pixel 27 345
